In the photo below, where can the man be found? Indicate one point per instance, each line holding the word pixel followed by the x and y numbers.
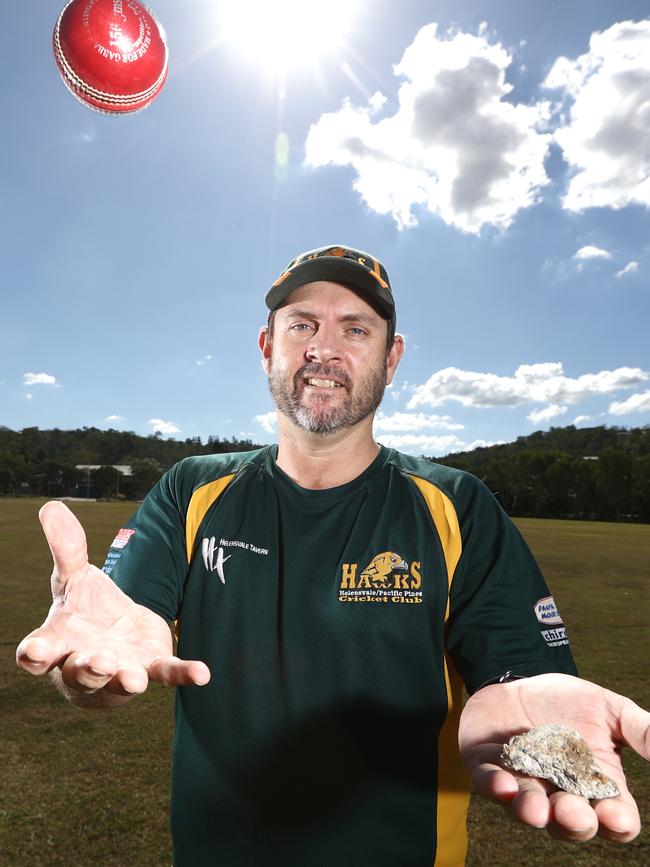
pixel 338 592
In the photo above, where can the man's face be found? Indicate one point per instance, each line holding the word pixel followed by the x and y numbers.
pixel 327 363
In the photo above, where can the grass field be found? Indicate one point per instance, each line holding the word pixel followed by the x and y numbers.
pixel 84 788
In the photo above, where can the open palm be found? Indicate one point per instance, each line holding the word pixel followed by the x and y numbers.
pixel 606 720
pixel 94 635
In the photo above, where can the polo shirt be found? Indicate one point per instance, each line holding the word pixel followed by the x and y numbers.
pixel 339 626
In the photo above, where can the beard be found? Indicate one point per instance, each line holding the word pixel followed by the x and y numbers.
pixel 320 416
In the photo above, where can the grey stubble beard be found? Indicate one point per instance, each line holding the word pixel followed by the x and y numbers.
pixel 324 419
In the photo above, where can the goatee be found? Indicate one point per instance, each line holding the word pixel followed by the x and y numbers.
pixel 320 417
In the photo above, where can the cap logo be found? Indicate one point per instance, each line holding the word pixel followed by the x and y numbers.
pixel 376 275
pixel 283 277
pixel 340 252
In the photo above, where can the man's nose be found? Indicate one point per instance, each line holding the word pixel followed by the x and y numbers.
pixel 324 346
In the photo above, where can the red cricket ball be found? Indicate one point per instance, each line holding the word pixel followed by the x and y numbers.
pixel 112 54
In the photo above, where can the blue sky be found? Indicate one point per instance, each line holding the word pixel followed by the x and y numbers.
pixel 493 155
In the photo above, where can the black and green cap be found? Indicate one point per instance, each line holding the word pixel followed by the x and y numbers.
pixel 354 268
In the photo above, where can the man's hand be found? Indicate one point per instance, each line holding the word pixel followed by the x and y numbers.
pixel 605 720
pixel 95 638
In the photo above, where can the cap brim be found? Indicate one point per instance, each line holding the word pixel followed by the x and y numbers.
pixel 338 270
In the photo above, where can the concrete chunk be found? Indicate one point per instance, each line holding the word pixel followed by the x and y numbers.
pixel 559 754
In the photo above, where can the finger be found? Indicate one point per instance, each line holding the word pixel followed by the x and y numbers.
pixel 86 673
pixel 39 651
pixel 131 680
pixel 574 819
pixel 531 804
pixel 491 782
pixel 171 671
pixel 67 542
pixel 634 726
pixel 619 819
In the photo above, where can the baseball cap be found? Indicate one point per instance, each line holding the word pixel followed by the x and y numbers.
pixel 354 268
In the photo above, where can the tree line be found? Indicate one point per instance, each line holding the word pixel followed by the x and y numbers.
pixel 36 462
pixel 600 473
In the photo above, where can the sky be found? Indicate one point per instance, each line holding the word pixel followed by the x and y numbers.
pixel 495 156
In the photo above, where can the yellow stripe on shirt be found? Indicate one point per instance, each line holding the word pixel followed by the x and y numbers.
pixel 201 500
pixel 454 788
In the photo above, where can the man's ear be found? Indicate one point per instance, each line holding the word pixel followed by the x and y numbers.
pixel 264 343
pixel 394 357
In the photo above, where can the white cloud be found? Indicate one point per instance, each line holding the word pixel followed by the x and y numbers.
pixel 422 443
pixel 580 419
pixel 550 412
pixel 434 446
pixel 635 403
pixel 455 146
pixel 201 361
pixel 591 252
pixel 267 421
pixel 412 421
pixel 605 137
pixel 532 383
pixel 165 427
pixel 397 390
pixel 29 396
pixel 114 418
pixel 630 268
pixel 86 137
pixel 377 101
pixel 39 379
pixel 479 444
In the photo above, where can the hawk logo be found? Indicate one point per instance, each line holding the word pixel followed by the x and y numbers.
pixel 388 577
pixel 211 564
pixel 382 568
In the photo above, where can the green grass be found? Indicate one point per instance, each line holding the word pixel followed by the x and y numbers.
pixel 79 787
pixel 598 573
pixel 92 788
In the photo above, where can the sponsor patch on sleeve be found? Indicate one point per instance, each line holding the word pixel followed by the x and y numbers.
pixel 554 633
pixel 555 637
pixel 122 539
pixel 111 559
pixel 546 611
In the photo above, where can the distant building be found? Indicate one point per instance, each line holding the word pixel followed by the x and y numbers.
pixel 87 490
pixel 123 469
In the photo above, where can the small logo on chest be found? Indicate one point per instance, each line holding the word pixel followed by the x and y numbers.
pixel 387 578
pixel 213 557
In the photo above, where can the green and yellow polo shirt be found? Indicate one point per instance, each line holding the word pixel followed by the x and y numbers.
pixel 339 626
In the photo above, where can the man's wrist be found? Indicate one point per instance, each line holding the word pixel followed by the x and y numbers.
pixel 506 677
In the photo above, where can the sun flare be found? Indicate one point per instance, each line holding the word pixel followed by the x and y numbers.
pixel 282 34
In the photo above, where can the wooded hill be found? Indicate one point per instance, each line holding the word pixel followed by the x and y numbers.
pixel 43 462
pixel 589 473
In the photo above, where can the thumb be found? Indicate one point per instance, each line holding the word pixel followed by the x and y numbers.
pixel 67 542
pixel 634 724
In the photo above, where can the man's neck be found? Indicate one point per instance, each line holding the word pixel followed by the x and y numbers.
pixel 317 462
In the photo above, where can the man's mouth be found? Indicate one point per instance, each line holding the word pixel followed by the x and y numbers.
pixel 322 383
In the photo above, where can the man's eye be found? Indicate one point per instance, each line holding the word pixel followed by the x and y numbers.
pixel 299 326
pixel 357 331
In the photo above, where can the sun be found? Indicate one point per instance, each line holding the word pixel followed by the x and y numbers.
pixel 282 34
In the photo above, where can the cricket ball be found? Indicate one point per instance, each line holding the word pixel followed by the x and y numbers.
pixel 112 54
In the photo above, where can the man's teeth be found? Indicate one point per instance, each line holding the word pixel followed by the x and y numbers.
pixel 323 383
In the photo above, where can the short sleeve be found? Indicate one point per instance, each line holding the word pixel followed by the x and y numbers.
pixel 502 616
pixel 147 558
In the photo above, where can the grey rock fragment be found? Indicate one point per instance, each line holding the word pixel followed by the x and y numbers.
pixel 557 753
